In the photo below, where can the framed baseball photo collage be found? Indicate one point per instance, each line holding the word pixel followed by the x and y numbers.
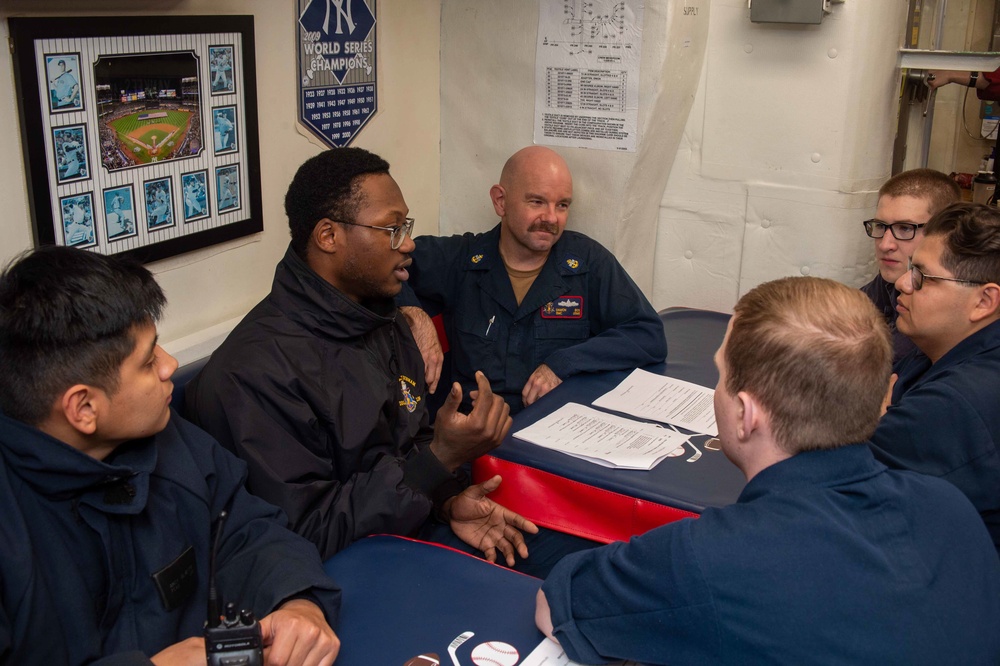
pixel 140 133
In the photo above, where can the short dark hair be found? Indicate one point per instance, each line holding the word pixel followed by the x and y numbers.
pixel 938 189
pixel 68 316
pixel 971 240
pixel 816 354
pixel 327 185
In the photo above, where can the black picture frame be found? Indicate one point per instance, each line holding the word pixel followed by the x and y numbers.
pixel 181 148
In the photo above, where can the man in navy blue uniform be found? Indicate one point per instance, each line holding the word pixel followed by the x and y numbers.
pixel 110 499
pixel 906 203
pixel 944 416
pixel 827 557
pixel 529 303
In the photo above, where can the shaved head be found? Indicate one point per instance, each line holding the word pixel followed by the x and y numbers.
pixel 532 160
pixel 532 200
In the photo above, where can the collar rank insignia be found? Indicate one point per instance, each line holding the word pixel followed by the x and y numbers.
pixel 564 307
pixel 477 258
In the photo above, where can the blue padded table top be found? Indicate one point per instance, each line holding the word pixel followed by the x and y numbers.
pixel 403 598
pixel 693 336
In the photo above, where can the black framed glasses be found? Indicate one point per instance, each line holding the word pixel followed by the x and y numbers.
pixel 917 277
pixel 396 234
pixel 899 230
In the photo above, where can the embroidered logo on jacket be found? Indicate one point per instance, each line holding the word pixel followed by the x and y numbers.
pixel 408 400
pixel 565 307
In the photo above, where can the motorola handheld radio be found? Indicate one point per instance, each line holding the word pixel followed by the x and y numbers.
pixel 233 639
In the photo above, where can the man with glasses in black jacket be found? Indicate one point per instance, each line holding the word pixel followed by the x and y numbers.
pixel 320 388
pixel 906 203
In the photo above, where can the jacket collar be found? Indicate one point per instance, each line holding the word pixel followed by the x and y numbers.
pixel 318 306
pixel 484 254
pixel 814 469
pixel 54 469
pixel 918 368
pixel 979 342
pixel 484 257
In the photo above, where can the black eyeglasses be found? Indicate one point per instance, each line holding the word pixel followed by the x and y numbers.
pixel 396 234
pixel 917 278
pixel 900 230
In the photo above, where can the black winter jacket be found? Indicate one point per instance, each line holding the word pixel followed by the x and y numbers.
pixel 324 400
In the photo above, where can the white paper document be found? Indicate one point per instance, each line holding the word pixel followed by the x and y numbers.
pixel 613 441
pixel 549 653
pixel 587 73
pixel 664 399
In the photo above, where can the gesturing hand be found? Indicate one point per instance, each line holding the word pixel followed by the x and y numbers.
pixel 482 523
pixel 459 438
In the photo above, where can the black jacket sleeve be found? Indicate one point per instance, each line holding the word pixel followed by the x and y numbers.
pixel 297 462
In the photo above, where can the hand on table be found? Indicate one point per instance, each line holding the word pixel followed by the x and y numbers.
pixel 541 381
pixel 482 523
pixel 543 615
pixel 296 634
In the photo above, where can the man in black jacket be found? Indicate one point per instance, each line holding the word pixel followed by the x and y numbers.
pixel 320 388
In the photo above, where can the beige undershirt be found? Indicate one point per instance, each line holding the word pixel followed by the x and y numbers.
pixel 521 281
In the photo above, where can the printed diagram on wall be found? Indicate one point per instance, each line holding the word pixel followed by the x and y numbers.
pixel 338 90
pixel 587 73
pixel 588 24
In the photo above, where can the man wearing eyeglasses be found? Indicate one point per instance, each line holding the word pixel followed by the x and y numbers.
pixel 320 387
pixel 944 415
pixel 906 202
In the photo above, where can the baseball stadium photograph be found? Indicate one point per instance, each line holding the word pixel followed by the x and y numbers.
pixel 148 108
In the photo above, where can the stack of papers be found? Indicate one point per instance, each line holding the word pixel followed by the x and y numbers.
pixel 664 399
pixel 606 439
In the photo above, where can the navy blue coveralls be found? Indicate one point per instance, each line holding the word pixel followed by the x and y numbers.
pixel 583 313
